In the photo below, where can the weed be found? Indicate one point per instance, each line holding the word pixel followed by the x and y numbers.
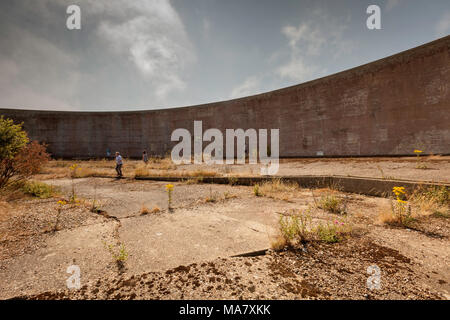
pixel 232 181
pixel 38 189
pixel 333 232
pixel 61 204
pixel 443 215
pixel 256 190
pixel 420 164
pixel 295 228
pixel 96 206
pixel 431 200
pixel 278 189
pixel 332 204
pixel 401 212
pixel 144 210
pixel 212 196
pixel 155 210
pixel 169 189
pixel 227 195
pixel 278 243
pixel 119 254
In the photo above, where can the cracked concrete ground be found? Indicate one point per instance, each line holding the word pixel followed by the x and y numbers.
pixel 208 223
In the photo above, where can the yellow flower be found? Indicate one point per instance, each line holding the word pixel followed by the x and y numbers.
pixel 400 201
pixel 74 166
pixel 418 151
pixel 398 190
pixel 169 187
pixel 62 202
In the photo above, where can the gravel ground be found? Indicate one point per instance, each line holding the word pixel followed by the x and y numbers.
pixel 316 271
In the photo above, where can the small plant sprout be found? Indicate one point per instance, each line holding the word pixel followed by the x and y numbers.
pixel 212 196
pixel 73 172
pixel 119 254
pixel 256 190
pixel 61 204
pixel 169 189
pixel 96 206
pixel 420 164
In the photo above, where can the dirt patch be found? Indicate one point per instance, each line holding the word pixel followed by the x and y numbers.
pixel 319 271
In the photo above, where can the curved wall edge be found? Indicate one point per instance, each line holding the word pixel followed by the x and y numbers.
pixel 387 107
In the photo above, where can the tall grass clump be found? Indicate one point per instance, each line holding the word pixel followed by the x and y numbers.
pixel 333 204
pixel 295 229
pixel 38 189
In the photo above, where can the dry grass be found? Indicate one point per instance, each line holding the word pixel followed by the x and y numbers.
pixel 422 203
pixel 143 171
pixel 431 200
pixel 81 172
pixel 278 243
pixel 386 216
pixel 227 195
pixel 55 169
pixel 276 189
pixel 145 210
pixel 332 203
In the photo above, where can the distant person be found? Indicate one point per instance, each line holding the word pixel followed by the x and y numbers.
pixel 119 164
pixel 145 156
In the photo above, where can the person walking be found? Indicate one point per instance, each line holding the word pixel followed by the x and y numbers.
pixel 145 156
pixel 119 164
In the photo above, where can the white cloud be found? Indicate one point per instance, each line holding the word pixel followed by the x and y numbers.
pixel 46 67
pixel 315 37
pixel 443 25
pixel 249 87
pixel 296 69
pixel 152 37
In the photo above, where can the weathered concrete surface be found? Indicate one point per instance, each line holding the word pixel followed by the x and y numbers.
pixel 367 186
pixel 388 107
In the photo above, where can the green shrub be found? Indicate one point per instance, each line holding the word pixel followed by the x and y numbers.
pixel 332 232
pixel 332 204
pixel 256 190
pixel 38 189
pixel 440 195
pixel 295 228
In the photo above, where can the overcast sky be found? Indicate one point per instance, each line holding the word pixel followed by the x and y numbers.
pixel 151 54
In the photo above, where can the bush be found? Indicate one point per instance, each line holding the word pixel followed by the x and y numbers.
pixel 38 189
pixel 333 232
pixel 295 228
pixel 332 204
pixel 256 190
pixel 19 159
pixel 12 138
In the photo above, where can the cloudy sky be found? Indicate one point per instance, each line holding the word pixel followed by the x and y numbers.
pixel 151 54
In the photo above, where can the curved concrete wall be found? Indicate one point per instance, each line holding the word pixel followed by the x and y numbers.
pixel 388 107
